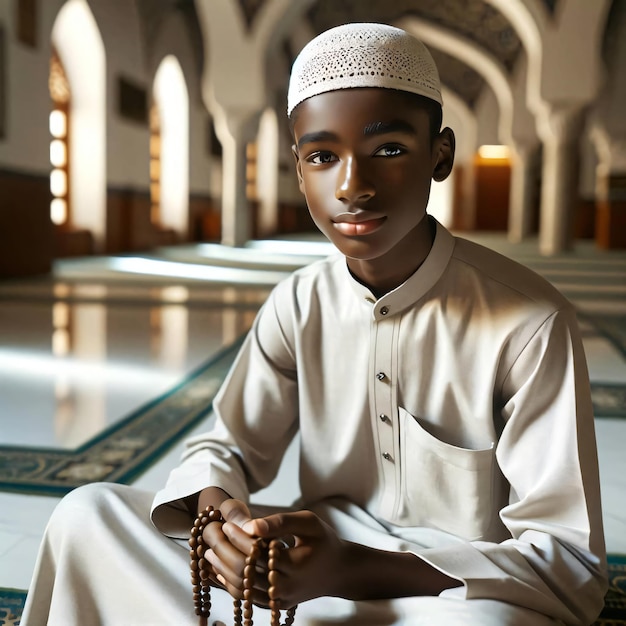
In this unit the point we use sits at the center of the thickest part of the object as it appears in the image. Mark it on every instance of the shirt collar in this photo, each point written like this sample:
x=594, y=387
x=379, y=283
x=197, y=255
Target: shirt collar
x=414, y=287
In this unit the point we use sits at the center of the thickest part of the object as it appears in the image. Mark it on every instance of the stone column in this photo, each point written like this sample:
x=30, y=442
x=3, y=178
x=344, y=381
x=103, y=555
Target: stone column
x=235, y=129
x=520, y=202
x=560, y=131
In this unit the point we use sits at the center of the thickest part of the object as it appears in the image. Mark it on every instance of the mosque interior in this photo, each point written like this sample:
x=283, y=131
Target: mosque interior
x=148, y=204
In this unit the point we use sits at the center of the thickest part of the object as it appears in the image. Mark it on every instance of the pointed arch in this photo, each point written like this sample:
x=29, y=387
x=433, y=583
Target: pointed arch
x=77, y=40
x=171, y=99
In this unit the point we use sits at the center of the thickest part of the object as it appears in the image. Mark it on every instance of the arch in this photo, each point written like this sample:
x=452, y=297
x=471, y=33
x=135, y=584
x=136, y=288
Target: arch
x=77, y=39
x=172, y=101
x=267, y=173
x=492, y=71
x=530, y=20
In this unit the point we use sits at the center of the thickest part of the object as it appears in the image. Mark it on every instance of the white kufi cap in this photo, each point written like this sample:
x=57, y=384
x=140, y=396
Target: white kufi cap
x=363, y=55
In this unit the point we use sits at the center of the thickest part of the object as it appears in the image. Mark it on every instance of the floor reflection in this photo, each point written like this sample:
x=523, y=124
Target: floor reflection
x=78, y=358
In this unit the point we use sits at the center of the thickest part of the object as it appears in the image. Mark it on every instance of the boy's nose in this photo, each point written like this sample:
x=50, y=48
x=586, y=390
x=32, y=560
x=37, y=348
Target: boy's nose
x=353, y=185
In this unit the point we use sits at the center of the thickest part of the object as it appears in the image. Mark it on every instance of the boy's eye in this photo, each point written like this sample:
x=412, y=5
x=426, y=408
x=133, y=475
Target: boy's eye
x=389, y=151
x=321, y=158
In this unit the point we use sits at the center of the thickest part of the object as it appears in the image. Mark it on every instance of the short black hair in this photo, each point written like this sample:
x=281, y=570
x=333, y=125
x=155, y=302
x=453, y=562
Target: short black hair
x=433, y=109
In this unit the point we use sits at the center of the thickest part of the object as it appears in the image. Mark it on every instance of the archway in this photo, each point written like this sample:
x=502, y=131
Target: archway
x=171, y=175
x=78, y=43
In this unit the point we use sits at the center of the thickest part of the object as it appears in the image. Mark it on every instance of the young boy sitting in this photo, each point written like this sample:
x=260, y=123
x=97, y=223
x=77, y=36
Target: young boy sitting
x=448, y=468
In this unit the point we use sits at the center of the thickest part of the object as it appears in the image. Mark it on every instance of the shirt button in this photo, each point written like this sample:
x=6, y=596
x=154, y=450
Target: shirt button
x=386, y=456
x=381, y=376
x=383, y=417
x=384, y=310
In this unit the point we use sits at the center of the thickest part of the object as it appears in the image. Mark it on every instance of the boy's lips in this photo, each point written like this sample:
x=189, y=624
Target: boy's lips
x=358, y=223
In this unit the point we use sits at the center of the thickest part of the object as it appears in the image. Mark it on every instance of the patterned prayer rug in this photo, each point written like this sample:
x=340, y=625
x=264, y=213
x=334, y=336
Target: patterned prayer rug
x=125, y=450
x=11, y=606
x=613, y=614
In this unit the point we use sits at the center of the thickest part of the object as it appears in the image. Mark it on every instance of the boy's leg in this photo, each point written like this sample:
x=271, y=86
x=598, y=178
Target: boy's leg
x=103, y=563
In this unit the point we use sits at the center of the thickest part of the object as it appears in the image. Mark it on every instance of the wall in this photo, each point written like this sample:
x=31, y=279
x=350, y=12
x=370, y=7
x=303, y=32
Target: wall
x=24, y=147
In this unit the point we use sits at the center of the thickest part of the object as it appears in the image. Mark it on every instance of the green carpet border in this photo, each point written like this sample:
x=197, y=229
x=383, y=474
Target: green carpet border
x=11, y=606
x=124, y=450
x=609, y=399
x=613, y=614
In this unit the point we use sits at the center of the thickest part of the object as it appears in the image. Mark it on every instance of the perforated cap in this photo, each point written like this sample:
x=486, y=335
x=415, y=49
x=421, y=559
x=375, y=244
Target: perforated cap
x=363, y=55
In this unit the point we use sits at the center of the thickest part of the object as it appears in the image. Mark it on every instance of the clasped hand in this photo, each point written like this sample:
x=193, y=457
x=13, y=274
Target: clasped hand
x=310, y=565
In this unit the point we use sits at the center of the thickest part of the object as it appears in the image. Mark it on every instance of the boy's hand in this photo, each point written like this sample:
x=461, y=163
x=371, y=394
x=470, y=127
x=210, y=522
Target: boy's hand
x=229, y=547
x=314, y=562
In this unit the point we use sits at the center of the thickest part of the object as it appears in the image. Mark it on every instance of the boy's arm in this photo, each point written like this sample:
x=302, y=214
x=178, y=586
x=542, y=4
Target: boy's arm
x=259, y=402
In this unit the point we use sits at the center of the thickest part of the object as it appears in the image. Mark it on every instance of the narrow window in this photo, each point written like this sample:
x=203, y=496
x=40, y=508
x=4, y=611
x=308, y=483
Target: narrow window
x=59, y=142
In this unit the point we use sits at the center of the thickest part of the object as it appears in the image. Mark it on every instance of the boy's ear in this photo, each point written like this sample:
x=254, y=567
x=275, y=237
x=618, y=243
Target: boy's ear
x=443, y=154
x=296, y=156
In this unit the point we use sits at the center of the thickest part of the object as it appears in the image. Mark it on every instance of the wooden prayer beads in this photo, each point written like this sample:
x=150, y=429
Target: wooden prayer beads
x=201, y=569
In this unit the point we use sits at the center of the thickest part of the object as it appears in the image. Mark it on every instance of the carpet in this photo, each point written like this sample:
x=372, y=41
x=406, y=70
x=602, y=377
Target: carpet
x=613, y=614
x=126, y=449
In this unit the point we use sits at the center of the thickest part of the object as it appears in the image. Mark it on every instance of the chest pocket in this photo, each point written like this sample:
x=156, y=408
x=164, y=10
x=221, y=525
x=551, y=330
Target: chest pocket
x=444, y=486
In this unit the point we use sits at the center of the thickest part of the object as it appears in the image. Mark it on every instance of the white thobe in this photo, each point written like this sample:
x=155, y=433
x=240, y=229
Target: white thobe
x=454, y=412
x=450, y=418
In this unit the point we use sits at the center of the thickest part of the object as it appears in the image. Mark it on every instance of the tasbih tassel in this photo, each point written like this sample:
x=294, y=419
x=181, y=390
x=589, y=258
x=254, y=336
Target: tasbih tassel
x=201, y=569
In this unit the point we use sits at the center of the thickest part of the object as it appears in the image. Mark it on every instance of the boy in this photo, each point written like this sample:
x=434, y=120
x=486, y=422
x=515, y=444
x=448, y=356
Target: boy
x=447, y=457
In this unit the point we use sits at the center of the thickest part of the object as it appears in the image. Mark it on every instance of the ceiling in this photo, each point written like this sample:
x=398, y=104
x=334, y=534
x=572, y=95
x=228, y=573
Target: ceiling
x=475, y=20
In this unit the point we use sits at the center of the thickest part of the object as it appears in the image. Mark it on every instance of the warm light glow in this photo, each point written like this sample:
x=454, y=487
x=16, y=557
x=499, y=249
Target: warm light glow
x=60, y=342
x=494, y=152
x=175, y=293
x=62, y=388
x=58, y=211
x=58, y=183
x=155, y=169
x=58, y=153
x=155, y=146
x=76, y=37
x=58, y=124
x=61, y=290
x=172, y=100
x=60, y=315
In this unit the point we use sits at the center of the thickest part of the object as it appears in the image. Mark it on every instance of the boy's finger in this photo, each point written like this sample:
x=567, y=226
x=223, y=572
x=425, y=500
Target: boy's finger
x=298, y=524
x=238, y=537
x=225, y=557
x=235, y=511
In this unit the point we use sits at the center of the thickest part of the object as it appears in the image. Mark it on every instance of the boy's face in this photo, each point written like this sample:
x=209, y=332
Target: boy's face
x=365, y=161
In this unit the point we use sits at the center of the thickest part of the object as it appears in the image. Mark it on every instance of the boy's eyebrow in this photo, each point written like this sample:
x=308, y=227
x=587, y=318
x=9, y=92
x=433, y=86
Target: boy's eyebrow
x=322, y=135
x=374, y=128
x=394, y=126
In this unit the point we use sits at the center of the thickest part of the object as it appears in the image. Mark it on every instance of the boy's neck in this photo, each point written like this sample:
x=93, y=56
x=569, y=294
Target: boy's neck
x=383, y=275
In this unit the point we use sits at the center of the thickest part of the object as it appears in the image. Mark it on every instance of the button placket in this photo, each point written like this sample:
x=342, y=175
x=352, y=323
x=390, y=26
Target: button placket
x=385, y=427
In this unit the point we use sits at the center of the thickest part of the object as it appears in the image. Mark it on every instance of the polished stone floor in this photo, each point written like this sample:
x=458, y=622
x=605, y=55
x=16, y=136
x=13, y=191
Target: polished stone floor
x=84, y=348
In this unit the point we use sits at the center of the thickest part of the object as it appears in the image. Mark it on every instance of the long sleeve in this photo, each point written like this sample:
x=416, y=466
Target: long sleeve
x=256, y=414
x=555, y=561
